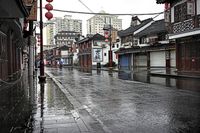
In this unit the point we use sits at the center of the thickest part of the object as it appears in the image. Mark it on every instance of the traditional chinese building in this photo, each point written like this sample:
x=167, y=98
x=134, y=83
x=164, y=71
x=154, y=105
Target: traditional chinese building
x=149, y=48
x=92, y=50
x=12, y=41
x=183, y=20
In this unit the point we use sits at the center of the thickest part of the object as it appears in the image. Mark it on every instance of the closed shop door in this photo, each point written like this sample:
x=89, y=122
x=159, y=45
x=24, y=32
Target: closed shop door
x=124, y=62
x=173, y=58
x=140, y=61
x=157, y=59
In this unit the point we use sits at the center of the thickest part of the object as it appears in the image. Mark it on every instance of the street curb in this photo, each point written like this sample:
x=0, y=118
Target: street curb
x=81, y=124
x=84, y=127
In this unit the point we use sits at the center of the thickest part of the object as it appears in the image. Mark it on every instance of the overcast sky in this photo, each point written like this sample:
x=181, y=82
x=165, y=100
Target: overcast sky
x=109, y=6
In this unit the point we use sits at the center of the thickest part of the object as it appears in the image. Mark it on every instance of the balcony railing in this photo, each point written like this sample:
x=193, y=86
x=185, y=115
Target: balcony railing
x=183, y=26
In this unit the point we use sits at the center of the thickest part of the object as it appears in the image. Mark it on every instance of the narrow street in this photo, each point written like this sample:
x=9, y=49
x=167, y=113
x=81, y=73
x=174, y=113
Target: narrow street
x=117, y=105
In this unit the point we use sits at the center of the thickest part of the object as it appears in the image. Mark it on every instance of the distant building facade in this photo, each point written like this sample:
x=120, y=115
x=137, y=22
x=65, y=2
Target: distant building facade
x=65, y=38
x=92, y=50
x=97, y=23
x=62, y=24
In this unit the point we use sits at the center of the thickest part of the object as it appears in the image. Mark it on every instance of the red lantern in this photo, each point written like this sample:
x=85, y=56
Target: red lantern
x=49, y=0
x=49, y=7
x=106, y=40
x=48, y=15
x=106, y=35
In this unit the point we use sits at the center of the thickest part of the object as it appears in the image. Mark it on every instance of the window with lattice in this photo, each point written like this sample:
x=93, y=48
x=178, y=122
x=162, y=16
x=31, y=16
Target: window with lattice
x=180, y=12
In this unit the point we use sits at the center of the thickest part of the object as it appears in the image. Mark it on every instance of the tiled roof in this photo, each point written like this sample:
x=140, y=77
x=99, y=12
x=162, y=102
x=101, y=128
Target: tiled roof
x=63, y=31
x=64, y=47
x=13, y=9
x=132, y=29
x=165, y=1
x=93, y=37
x=146, y=48
x=156, y=27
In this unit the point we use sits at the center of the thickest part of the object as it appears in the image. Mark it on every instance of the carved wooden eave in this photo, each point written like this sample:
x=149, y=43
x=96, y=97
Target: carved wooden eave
x=166, y=1
x=13, y=9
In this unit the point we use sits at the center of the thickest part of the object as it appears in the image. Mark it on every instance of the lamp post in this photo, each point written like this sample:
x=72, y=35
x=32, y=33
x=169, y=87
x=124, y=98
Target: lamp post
x=42, y=77
x=48, y=15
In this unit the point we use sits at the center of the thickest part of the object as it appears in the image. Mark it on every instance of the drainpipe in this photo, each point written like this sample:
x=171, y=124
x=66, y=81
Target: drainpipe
x=31, y=49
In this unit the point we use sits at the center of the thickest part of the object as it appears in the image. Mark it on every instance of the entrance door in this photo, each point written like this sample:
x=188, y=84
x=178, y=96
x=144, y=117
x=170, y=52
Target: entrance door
x=124, y=62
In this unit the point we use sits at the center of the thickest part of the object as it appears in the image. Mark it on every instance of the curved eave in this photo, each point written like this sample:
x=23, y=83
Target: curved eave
x=23, y=8
x=13, y=9
x=165, y=1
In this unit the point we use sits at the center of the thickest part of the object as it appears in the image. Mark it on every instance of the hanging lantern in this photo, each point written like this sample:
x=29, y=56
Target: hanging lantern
x=106, y=36
x=48, y=15
x=49, y=0
x=106, y=40
x=49, y=7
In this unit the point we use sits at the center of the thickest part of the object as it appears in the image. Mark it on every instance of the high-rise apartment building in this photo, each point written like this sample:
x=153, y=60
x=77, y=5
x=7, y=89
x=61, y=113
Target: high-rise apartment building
x=97, y=23
x=62, y=24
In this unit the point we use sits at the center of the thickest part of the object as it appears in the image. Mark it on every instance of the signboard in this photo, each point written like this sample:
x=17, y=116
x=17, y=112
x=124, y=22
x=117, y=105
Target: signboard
x=33, y=12
x=190, y=8
x=97, y=55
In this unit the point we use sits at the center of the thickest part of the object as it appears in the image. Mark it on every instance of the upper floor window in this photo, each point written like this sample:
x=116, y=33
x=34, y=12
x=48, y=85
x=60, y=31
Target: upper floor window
x=183, y=11
x=143, y=40
x=161, y=37
x=117, y=45
x=113, y=46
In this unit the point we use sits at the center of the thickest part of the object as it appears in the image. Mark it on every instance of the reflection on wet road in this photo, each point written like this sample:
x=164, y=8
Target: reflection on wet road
x=53, y=110
x=178, y=83
x=130, y=106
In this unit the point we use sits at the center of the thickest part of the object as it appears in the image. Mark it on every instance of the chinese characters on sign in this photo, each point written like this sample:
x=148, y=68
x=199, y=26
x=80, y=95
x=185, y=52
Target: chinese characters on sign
x=97, y=55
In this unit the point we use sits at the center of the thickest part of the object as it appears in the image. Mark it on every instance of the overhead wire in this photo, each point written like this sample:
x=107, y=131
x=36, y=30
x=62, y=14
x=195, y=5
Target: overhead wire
x=85, y=6
x=116, y=14
x=91, y=11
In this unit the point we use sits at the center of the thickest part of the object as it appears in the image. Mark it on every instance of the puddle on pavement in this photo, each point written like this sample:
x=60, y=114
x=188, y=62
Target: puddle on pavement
x=180, y=83
x=51, y=105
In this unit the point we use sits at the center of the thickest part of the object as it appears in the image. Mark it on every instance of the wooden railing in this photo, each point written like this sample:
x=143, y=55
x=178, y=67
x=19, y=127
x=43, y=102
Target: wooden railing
x=183, y=26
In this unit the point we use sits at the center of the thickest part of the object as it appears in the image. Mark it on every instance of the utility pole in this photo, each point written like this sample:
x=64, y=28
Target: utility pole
x=108, y=37
x=42, y=78
x=110, y=52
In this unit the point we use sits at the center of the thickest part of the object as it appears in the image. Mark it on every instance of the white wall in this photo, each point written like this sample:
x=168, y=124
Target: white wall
x=104, y=50
x=172, y=14
x=198, y=7
x=64, y=52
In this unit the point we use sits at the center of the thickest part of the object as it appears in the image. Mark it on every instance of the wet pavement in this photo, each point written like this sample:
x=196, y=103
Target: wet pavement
x=94, y=101
x=54, y=113
x=106, y=103
x=159, y=76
